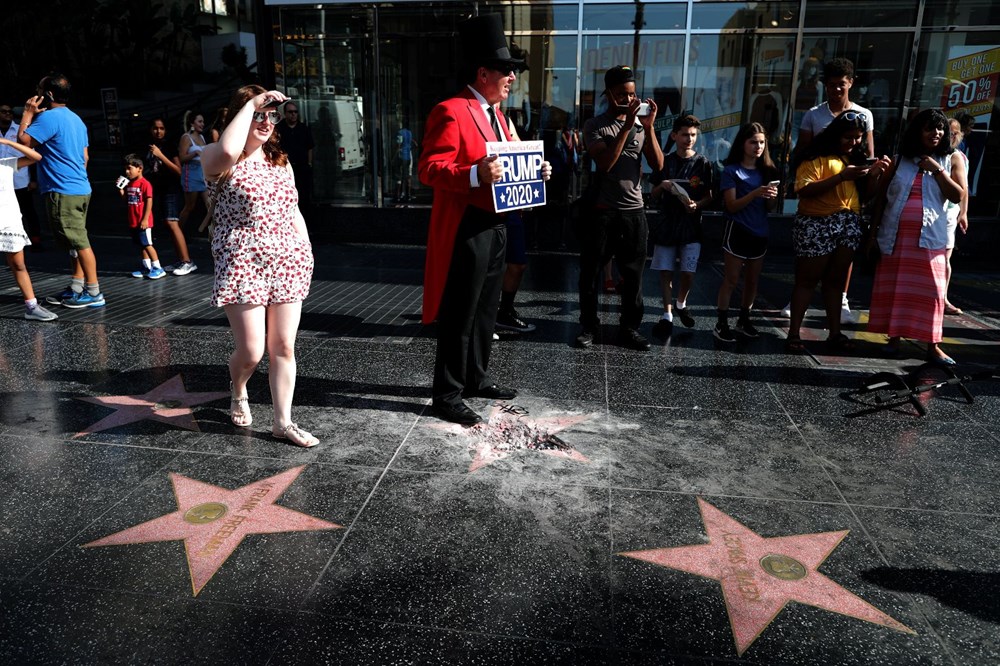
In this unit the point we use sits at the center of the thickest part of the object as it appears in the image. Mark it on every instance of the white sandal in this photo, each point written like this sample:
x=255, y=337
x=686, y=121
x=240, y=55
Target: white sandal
x=239, y=409
x=296, y=435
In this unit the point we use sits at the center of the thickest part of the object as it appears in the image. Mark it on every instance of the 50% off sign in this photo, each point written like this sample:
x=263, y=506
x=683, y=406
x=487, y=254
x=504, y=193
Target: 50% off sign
x=521, y=185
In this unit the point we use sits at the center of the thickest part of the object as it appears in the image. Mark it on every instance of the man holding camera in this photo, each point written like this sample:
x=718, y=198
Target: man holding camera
x=60, y=136
x=616, y=226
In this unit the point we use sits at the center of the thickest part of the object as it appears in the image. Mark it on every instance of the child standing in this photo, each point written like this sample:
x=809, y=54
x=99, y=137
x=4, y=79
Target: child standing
x=686, y=189
x=747, y=184
x=12, y=236
x=138, y=194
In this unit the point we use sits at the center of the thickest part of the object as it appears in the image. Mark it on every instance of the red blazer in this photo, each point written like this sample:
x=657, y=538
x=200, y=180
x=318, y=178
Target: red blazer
x=454, y=139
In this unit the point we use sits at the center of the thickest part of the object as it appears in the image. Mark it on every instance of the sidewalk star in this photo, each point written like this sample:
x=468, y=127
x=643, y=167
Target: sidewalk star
x=169, y=402
x=213, y=521
x=759, y=575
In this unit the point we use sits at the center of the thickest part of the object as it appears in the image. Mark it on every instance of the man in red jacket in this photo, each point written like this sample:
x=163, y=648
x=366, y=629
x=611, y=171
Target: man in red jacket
x=467, y=239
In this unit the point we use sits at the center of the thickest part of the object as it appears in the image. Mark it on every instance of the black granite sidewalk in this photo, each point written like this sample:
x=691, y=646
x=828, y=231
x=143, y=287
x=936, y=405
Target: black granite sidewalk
x=692, y=504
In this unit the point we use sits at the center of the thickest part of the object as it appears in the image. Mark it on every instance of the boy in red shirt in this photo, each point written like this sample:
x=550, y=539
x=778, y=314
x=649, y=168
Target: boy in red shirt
x=138, y=195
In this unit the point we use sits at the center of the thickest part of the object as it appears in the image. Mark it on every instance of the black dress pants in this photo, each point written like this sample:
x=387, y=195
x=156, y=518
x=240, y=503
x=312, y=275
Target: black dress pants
x=468, y=312
x=622, y=234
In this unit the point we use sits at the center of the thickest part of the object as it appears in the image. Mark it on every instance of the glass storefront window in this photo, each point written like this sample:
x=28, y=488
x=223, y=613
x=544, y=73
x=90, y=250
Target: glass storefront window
x=881, y=14
x=879, y=77
x=538, y=16
x=635, y=16
x=367, y=74
x=327, y=72
x=962, y=13
x=959, y=72
x=730, y=15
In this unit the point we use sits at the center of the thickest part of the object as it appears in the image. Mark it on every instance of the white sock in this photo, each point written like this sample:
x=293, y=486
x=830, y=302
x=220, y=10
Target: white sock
x=31, y=304
x=146, y=264
x=668, y=316
x=156, y=264
x=682, y=305
x=843, y=299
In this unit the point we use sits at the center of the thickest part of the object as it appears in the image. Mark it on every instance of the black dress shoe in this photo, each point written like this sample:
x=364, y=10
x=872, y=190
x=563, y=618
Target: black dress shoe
x=493, y=392
x=456, y=413
x=632, y=339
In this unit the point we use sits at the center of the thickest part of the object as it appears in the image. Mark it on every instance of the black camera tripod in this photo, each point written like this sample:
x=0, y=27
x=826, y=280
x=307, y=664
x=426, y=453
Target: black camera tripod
x=891, y=389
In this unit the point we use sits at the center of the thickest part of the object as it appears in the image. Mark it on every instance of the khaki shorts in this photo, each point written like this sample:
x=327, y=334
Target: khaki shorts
x=68, y=218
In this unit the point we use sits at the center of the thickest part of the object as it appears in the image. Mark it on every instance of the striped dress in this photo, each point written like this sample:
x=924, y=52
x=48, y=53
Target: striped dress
x=908, y=296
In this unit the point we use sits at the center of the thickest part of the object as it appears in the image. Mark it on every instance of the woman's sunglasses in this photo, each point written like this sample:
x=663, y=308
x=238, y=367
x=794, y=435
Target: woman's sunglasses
x=852, y=116
x=273, y=116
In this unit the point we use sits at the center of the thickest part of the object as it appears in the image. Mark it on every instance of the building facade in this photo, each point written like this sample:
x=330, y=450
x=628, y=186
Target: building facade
x=367, y=74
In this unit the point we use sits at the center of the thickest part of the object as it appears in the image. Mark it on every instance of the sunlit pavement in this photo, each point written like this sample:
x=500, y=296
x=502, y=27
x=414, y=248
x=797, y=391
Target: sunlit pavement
x=696, y=503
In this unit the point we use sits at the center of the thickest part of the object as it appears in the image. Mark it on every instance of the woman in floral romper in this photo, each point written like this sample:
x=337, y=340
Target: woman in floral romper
x=263, y=258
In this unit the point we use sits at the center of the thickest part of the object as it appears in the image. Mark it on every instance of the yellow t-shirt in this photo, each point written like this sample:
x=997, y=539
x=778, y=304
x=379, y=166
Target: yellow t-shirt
x=842, y=197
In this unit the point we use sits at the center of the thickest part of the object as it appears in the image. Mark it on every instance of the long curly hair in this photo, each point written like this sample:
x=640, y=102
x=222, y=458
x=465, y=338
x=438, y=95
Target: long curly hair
x=912, y=145
x=272, y=147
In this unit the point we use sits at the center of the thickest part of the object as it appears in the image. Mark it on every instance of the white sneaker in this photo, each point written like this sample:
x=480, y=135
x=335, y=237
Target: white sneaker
x=786, y=312
x=846, y=316
x=38, y=313
x=496, y=337
x=184, y=268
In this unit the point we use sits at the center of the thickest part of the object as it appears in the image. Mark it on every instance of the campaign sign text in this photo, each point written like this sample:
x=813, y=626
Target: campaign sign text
x=522, y=185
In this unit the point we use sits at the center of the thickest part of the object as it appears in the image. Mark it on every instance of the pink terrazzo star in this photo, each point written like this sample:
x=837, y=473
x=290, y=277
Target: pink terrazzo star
x=213, y=521
x=759, y=576
x=169, y=402
x=509, y=430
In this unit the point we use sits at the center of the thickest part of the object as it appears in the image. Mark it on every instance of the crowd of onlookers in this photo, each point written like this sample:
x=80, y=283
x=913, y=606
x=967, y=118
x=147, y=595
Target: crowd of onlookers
x=906, y=207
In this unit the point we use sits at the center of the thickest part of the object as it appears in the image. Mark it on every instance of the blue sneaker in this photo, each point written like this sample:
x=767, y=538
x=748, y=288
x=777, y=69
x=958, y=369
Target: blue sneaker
x=139, y=273
x=156, y=273
x=84, y=300
x=57, y=299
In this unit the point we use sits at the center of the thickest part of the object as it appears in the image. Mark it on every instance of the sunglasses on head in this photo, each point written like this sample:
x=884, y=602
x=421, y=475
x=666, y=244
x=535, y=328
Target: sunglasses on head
x=852, y=116
x=273, y=116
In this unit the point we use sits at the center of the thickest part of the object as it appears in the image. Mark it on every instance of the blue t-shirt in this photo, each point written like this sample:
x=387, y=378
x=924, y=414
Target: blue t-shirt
x=404, y=138
x=62, y=138
x=744, y=180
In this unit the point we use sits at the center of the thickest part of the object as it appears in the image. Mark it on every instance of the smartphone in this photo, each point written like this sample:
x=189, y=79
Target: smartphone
x=870, y=161
x=643, y=109
x=273, y=104
x=774, y=184
x=46, y=101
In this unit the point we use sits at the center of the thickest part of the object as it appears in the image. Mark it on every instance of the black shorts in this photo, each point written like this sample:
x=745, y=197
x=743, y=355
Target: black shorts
x=739, y=242
x=517, y=246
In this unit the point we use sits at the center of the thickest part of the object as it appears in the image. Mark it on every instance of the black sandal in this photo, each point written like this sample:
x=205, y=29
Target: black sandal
x=794, y=345
x=840, y=342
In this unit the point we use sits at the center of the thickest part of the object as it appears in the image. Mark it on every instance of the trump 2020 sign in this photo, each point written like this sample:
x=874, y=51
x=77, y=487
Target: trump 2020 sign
x=522, y=185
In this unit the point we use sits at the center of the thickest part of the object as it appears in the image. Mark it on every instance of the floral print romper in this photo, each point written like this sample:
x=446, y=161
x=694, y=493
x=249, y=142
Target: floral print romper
x=259, y=256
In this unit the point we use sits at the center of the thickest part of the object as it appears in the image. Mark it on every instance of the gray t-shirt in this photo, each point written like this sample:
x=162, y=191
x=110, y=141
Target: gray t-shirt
x=818, y=117
x=620, y=186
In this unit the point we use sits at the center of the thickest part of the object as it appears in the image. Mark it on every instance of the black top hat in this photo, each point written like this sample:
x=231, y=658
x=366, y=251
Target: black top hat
x=484, y=44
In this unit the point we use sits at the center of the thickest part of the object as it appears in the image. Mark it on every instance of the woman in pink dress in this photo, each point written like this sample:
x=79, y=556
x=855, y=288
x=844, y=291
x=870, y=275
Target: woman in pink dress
x=263, y=258
x=908, y=298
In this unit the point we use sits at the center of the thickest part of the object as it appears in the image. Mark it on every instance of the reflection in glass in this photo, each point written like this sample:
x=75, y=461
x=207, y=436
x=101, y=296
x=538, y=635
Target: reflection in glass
x=881, y=14
x=638, y=16
x=732, y=15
